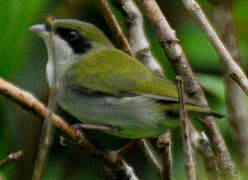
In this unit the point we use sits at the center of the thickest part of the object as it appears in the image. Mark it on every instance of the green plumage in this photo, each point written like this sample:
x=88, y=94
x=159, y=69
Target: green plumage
x=111, y=71
x=101, y=85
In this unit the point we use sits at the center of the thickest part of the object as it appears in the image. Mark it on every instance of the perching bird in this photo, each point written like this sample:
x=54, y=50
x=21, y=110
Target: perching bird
x=101, y=85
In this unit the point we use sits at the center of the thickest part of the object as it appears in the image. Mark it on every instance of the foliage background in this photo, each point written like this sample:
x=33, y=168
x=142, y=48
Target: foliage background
x=23, y=59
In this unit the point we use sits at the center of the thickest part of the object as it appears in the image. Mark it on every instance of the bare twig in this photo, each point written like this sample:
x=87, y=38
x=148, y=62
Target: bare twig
x=236, y=102
x=185, y=131
x=115, y=27
x=173, y=49
x=137, y=38
x=139, y=42
x=234, y=71
x=164, y=143
x=151, y=154
x=202, y=145
x=12, y=157
x=117, y=166
x=47, y=128
x=117, y=32
x=141, y=48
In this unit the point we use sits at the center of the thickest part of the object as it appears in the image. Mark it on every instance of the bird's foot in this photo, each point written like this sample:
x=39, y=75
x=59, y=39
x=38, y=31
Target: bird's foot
x=81, y=127
x=126, y=147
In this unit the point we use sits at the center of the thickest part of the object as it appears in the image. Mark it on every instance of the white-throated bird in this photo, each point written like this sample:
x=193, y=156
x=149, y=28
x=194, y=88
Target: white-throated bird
x=101, y=85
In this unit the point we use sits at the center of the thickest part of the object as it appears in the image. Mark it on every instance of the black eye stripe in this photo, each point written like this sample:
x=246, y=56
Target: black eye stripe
x=68, y=34
x=78, y=43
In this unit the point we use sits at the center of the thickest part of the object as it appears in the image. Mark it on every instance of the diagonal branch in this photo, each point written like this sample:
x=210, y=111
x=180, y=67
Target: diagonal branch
x=47, y=128
x=118, y=166
x=137, y=37
x=185, y=131
x=144, y=53
x=172, y=47
x=164, y=143
x=12, y=157
x=139, y=42
x=234, y=71
x=235, y=97
x=114, y=26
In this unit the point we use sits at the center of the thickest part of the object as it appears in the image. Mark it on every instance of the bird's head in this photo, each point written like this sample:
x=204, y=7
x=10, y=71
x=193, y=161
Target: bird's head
x=71, y=38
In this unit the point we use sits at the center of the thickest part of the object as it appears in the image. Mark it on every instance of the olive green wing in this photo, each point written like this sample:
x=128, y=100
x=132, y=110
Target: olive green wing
x=115, y=73
x=112, y=71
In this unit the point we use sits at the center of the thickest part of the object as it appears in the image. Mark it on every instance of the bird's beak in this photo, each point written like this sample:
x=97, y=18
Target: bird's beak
x=39, y=29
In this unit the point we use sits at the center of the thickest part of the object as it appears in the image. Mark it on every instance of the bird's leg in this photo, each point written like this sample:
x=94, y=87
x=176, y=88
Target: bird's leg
x=126, y=147
x=92, y=127
x=81, y=127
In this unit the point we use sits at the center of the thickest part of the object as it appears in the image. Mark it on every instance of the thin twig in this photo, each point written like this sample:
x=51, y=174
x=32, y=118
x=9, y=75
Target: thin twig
x=137, y=37
x=151, y=154
x=164, y=143
x=235, y=97
x=202, y=145
x=234, y=71
x=115, y=27
x=173, y=49
x=47, y=128
x=117, y=166
x=12, y=157
x=185, y=131
x=117, y=32
x=141, y=48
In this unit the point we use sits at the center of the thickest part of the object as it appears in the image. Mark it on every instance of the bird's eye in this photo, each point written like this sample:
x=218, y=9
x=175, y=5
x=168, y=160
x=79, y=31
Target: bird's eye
x=72, y=35
x=68, y=34
x=74, y=39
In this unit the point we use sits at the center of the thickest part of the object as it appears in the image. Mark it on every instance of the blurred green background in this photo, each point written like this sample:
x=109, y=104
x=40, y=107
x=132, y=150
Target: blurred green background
x=22, y=62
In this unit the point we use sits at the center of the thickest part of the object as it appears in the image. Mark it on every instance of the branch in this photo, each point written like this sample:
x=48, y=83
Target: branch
x=141, y=48
x=12, y=157
x=139, y=42
x=235, y=97
x=234, y=71
x=164, y=143
x=151, y=154
x=114, y=26
x=185, y=131
x=202, y=145
x=117, y=165
x=117, y=32
x=172, y=47
x=137, y=38
x=47, y=128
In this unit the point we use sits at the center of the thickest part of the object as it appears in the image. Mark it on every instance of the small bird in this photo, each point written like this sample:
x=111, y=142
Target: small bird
x=101, y=85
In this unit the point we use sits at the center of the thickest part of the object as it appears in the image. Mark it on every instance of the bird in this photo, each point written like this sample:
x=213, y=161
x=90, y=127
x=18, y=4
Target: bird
x=103, y=86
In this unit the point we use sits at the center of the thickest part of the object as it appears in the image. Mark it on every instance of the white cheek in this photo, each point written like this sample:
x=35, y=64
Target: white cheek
x=63, y=52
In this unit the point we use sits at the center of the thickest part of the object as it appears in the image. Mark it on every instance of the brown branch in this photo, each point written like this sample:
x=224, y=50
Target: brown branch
x=234, y=71
x=185, y=131
x=164, y=143
x=139, y=42
x=12, y=157
x=141, y=48
x=202, y=145
x=115, y=27
x=137, y=37
x=118, y=166
x=172, y=47
x=47, y=128
x=235, y=97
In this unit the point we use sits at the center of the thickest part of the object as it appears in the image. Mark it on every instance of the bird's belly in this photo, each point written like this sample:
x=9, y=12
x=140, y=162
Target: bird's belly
x=133, y=117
